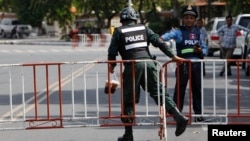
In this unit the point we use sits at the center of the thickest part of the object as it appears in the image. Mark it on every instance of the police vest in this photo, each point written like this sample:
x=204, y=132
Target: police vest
x=190, y=39
x=133, y=43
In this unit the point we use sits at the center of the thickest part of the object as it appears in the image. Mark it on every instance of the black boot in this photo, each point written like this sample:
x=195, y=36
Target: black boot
x=128, y=136
x=181, y=121
x=221, y=73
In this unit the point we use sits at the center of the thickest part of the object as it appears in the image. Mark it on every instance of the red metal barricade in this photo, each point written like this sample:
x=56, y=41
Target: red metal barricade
x=71, y=94
x=49, y=104
x=219, y=106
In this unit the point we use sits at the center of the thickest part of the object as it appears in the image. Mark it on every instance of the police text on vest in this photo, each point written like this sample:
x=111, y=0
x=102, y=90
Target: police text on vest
x=134, y=38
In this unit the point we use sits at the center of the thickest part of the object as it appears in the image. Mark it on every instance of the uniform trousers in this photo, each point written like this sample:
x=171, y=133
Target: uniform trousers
x=182, y=78
x=153, y=86
x=227, y=53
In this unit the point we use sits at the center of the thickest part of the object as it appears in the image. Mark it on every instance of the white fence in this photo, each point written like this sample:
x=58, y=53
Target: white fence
x=92, y=40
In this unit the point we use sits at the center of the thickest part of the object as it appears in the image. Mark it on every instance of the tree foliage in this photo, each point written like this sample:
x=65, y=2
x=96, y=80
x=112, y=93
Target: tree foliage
x=103, y=10
x=36, y=11
x=235, y=7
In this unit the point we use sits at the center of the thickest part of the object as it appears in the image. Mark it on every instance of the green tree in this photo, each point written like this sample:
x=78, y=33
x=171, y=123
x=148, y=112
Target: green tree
x=107, y=10
x=5, y=5
x=35, y=11
x=235, y=7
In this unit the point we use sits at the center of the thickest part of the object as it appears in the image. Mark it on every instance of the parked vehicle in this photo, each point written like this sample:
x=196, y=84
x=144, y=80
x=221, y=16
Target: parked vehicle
x=51, y=29
x=242, y=20
x=247, y=52
x=213, y=39
x=11, y=27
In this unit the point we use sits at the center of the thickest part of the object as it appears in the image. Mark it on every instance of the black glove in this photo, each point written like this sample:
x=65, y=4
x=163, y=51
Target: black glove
x=197, y=49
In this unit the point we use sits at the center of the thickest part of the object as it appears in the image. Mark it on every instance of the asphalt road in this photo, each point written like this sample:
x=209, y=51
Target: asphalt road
x=193, y=133
x=141, y=133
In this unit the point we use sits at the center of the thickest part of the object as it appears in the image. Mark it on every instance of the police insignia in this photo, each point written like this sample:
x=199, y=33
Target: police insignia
x=192, y=36
x=189, y=7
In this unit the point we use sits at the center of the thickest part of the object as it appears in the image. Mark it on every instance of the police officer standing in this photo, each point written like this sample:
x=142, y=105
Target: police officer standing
x=131, y=41
x=189, y=46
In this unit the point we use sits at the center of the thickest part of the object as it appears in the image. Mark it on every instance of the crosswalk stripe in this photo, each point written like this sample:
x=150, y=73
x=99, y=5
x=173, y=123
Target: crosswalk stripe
x=42, y=50
x=18, y=50
x=30, y=51
x=4, y=51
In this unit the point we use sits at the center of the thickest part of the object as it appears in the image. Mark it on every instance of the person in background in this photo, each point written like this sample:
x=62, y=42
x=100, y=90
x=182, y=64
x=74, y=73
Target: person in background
x=74, y=37
x=14, y=32
x=111, y=29
x=227, y=35
x=123, y=42
x=188, y=46
x=203, y=37
x=203, y=32
x=73, y=33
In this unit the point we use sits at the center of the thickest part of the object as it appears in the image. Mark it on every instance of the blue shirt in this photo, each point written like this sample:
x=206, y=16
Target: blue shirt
x=228, y=35
x=176, y=34
x=203, y=34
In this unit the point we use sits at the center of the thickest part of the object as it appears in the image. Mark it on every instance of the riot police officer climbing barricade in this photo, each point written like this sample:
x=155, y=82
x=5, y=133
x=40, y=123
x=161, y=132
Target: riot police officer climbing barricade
x=131, y=41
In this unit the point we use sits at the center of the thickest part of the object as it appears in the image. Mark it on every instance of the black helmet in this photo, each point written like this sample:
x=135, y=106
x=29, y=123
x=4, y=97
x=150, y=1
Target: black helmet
x=128, y=13
x=189, y=10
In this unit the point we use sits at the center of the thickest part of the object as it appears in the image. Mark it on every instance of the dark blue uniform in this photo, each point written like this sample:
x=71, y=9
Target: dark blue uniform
x=186, y=40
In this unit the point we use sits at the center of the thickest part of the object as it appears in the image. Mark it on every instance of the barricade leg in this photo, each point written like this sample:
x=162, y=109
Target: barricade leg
x=48, y=121
x=89, y=40
x=162, y=128
x=75, y=41
x=103, y=40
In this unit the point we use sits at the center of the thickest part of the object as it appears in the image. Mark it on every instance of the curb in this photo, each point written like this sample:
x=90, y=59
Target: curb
x=35, y=41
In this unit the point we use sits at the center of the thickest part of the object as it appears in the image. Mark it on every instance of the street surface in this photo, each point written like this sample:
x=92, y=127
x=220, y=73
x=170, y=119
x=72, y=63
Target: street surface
x=49, y=50
x=193, y=133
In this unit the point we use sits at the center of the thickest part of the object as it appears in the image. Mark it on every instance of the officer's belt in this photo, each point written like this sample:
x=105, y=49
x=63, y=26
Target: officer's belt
x=130, y=63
